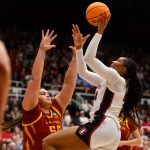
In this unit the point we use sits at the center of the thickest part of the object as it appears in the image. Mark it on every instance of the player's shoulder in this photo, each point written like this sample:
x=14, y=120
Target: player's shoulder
x=56, y=107
x=32, y=115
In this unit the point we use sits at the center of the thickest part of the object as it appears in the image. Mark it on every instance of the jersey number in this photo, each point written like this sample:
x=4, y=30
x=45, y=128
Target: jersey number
x=54, y=128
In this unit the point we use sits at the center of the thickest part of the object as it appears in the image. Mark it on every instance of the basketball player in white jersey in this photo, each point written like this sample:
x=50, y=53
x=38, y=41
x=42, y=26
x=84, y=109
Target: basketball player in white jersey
x=102, y=132
x=5, y=73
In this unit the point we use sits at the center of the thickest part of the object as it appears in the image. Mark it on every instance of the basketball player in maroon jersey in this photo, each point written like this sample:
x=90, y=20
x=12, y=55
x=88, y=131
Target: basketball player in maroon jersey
x=5, y=74
x=128, y=128
x=42, y=115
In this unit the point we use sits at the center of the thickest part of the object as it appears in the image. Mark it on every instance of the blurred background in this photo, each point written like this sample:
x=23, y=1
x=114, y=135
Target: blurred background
x=21, y=23
x=129, y=18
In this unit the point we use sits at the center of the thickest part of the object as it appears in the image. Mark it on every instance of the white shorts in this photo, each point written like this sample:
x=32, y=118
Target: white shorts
x=100, y=134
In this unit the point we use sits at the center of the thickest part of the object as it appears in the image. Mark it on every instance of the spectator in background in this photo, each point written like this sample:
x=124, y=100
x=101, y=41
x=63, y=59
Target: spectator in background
x=146, y=121
x=18, y=138
x=7, y=116
x=67, y=121
x=7, y=136
x=75, y=119
x=145, y=140
x=3, y=146
x=12, y=146
x=15, y=113
x=82, y=118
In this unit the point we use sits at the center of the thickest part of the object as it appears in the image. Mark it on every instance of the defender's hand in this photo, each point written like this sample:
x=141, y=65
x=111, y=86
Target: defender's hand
x=78, y=38
x=47, y=40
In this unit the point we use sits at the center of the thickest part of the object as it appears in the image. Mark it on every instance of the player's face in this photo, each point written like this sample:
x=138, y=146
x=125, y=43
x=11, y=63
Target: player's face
x=43, y=95
x=118, y=65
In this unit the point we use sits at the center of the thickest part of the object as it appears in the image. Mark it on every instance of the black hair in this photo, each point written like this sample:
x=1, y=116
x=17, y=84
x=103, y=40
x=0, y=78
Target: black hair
x=134, y=91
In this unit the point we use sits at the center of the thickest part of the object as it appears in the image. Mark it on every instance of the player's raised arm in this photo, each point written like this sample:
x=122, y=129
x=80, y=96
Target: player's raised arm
x=64, y=96
x=32, y=92
x=79, y=41
x=90, y=56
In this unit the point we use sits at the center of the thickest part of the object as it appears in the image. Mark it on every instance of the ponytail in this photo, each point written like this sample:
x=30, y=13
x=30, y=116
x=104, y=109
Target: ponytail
x=10, y=124
x=133, y=94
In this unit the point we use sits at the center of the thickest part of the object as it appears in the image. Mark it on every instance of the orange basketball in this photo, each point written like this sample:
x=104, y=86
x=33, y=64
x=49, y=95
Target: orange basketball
x=94, y=11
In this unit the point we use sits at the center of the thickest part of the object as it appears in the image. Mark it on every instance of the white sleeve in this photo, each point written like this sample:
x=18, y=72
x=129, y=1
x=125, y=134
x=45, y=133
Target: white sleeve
x=93, y=46
x=89, y=76
x=109, y=74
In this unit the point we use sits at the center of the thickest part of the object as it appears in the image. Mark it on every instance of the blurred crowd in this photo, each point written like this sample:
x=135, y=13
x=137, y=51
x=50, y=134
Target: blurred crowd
x=22, y=46
x=12, y=139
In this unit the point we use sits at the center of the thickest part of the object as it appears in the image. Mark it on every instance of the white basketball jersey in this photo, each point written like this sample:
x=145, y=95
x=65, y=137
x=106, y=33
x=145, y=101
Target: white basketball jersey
x=106, y=101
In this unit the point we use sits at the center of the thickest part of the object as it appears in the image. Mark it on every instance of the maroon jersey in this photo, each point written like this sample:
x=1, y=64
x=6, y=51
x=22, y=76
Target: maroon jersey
x=37, y=125
x=127, y=127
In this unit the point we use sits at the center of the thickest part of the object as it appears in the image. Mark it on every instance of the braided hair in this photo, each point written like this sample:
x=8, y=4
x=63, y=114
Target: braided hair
x=134, y=91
